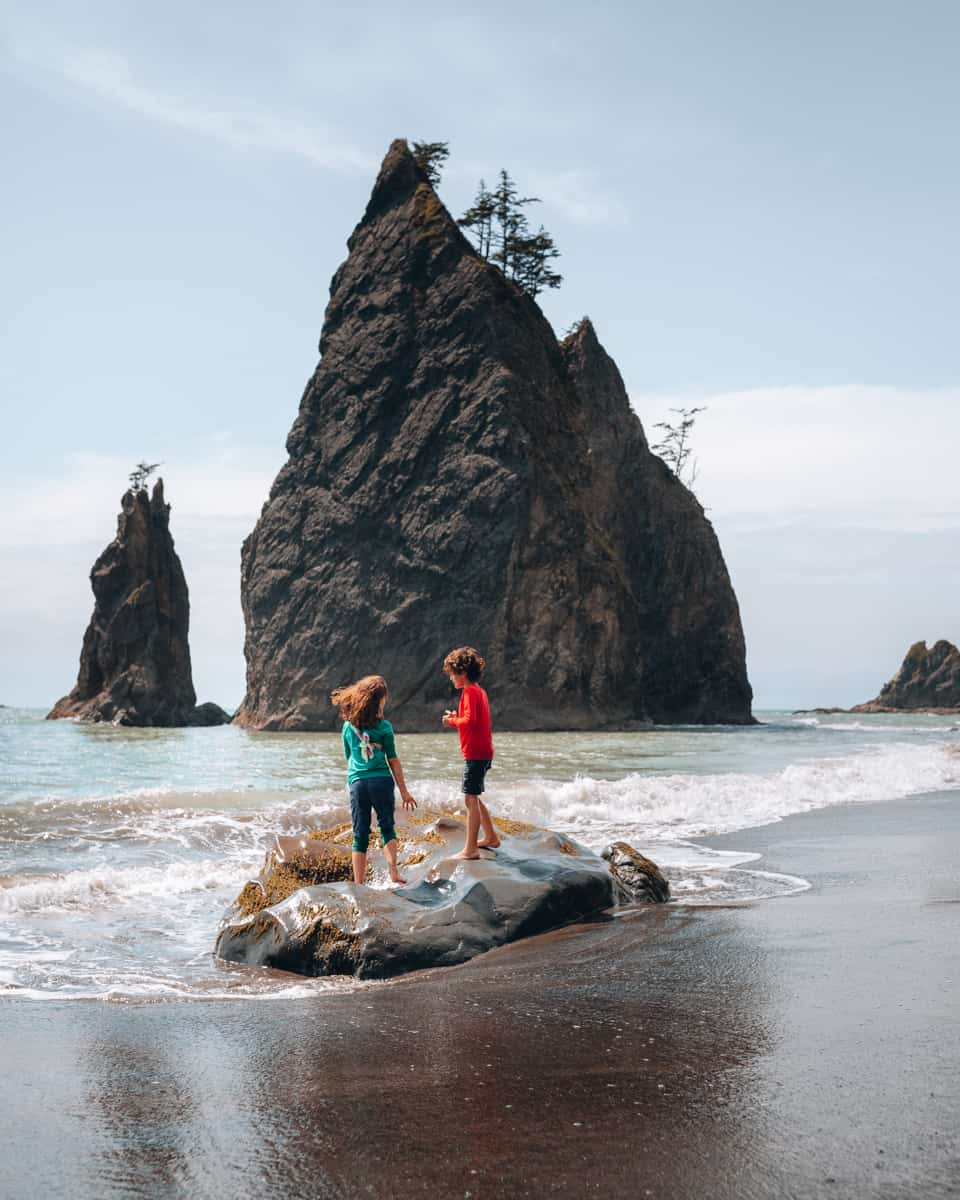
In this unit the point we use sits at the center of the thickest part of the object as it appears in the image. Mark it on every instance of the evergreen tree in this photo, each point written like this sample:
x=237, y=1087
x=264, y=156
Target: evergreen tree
x=499, y=227
x=479, y=219
x=430, y=157
x=675, y=448
x=508, y=206
x=530, y=256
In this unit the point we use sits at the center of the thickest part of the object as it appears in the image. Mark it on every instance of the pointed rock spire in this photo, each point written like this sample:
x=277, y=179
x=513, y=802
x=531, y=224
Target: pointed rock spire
x=457, y=476
x=135, y=660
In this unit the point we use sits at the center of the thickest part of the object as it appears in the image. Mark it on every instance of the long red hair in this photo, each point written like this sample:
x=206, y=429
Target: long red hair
x=362, y=702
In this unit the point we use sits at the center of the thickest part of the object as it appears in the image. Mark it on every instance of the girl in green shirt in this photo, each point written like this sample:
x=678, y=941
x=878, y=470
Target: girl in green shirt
x=372, y=766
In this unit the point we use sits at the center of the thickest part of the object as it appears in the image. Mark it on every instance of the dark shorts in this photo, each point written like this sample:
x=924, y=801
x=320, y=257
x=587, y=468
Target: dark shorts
x=371, y=795
x=474, y=772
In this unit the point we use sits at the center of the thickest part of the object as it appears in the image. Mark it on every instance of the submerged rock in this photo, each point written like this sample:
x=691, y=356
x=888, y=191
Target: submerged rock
x=456, y=475
x=301, y=915
x=135, y=659
x=929, y=679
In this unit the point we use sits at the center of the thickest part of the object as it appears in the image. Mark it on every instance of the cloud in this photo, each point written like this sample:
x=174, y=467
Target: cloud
x=221, y=484
x=578, y=199
x=853, y=455
x=52, y=528
x=109, y=76
x=571, y=193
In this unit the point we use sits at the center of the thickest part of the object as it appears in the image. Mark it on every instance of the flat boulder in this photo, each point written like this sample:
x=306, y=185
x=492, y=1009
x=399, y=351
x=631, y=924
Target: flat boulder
x=303, y=914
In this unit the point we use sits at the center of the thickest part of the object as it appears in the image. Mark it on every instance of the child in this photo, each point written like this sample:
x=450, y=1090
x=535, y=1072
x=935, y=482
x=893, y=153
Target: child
x=372, y=766
x=472, y=721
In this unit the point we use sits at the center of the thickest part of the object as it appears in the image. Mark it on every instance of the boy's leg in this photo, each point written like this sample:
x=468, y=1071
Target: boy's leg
x=490, y=839
x=360, y=818
x=471, y=850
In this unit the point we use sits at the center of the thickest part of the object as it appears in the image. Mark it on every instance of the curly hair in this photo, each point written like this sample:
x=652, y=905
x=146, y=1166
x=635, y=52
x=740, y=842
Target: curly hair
x=464, y=661
x=360, y=702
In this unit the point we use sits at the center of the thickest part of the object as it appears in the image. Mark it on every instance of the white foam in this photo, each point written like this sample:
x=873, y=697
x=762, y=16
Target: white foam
x=92, y=888
x=159, y=990
x=671, y=806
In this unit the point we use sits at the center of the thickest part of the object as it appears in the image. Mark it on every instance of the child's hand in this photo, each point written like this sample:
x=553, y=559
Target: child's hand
x=408, y=800
x=447, y=715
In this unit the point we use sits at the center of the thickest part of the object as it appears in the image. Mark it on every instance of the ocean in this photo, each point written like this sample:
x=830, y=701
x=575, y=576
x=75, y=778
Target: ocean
x=120, y=849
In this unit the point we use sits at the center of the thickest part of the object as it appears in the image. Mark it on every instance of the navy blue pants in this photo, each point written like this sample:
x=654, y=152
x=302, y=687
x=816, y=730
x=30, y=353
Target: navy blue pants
x=371, y=795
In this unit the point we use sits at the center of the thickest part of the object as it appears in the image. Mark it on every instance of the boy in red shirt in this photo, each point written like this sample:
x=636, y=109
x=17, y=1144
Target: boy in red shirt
x=472, y=721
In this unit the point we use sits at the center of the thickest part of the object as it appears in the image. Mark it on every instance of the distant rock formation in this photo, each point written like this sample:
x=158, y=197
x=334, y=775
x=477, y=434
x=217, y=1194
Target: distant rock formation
x=928, y=679
x=135, y=661
x=300, y=914
x=457, y=476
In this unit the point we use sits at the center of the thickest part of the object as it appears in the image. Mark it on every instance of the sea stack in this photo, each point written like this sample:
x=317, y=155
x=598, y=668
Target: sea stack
x=135, y=660
x=457, y=476
x=928, y=679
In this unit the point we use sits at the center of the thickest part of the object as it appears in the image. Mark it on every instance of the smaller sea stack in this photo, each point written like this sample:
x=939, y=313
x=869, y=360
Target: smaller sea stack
x=135, y=660
x=929, y=679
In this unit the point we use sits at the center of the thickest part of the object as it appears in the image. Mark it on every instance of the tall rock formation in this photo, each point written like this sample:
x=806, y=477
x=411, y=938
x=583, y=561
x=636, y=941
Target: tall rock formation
x=927, y=679
x=457, y=476
x=135, y=660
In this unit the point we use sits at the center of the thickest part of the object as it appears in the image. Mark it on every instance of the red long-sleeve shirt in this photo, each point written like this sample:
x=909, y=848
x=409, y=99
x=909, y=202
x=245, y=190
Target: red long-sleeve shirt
x=473, y=723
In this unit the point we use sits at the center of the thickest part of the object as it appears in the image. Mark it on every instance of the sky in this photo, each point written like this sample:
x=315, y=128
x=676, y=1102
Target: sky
x=755, y=203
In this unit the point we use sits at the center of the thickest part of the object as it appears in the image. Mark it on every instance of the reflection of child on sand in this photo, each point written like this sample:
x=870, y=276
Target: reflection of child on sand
x=372, y=766
x=472, y=722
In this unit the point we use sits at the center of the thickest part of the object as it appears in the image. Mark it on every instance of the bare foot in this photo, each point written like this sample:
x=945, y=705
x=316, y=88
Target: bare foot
x=488, y=845
x=397, y=879
x=464, y=855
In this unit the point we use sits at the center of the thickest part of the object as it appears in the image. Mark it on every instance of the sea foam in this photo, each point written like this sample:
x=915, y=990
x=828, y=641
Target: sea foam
x=668, y=806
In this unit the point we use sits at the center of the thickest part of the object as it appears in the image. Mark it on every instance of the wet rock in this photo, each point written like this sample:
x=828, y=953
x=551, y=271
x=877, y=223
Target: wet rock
x=456, y=475
x=637, y=878
x=449, y=910
x=209, y=713
x=928, y=680
x=135, y=659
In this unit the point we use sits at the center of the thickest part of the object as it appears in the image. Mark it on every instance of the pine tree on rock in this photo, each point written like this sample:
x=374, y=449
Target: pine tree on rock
x=501, y=233
x=430, y=158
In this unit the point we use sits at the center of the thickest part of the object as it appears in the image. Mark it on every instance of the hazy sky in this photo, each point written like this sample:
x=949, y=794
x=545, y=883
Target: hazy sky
x=756, y=204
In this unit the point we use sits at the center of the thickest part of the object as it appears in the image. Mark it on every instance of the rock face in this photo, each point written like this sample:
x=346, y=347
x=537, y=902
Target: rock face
x=298, y=917
x=456, y=475
x=928, y=679
x=135, y=660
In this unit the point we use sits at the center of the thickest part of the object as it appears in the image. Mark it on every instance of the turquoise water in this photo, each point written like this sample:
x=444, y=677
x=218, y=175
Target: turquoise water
x=119, y=849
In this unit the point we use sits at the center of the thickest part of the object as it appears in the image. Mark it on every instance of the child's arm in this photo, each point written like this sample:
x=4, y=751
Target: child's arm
x=346, y=744
x=451, y=718
x=395, y=767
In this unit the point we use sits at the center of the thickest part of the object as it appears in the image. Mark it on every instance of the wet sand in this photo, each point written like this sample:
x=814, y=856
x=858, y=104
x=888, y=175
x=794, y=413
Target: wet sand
x=800, y=1047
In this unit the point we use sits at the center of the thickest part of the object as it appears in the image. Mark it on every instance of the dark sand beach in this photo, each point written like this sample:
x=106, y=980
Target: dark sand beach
x=800, y=1047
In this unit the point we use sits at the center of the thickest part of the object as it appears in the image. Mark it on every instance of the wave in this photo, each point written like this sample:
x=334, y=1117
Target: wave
x=99, y=885
x=671, y=806
x=145, y=990
x=894, y=727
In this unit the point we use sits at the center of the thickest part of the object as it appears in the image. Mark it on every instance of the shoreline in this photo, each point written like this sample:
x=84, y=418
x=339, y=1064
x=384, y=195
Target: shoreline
x=800, y=1046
